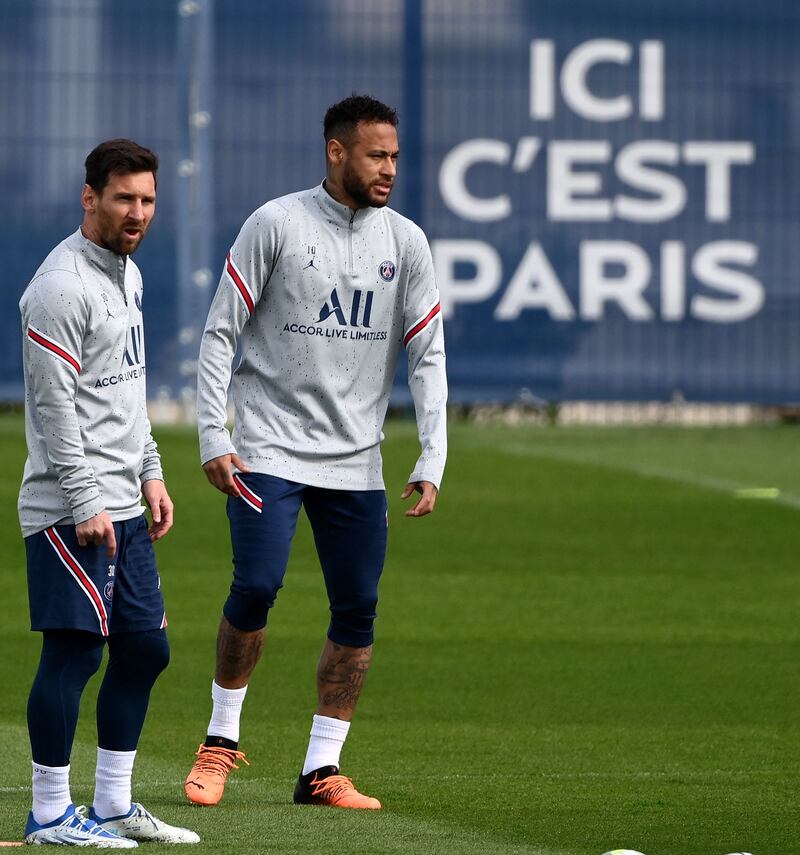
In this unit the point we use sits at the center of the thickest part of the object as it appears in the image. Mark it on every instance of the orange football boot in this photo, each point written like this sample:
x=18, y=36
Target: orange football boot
x=326, y=786
x=205, y=784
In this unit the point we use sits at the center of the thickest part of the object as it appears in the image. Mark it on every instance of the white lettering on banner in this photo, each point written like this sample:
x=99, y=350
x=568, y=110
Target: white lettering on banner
x=673, y=280
x=453, y=185
x=564, y=183
x=542, y=64
x=452, y=176
x=616, y=273
x=599, y=287
x=652, y=183
x=573, y=80
x=575, y=71
x=718, y=157
x=473, y=253
x=708, y=266
x=669, y=190
x=534, y=285
x=575, y=194
x=651, y=81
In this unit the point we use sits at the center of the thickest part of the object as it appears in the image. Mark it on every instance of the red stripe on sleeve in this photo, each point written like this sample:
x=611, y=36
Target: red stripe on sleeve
x=420, y=325
x=54, y=348
x=238, y=282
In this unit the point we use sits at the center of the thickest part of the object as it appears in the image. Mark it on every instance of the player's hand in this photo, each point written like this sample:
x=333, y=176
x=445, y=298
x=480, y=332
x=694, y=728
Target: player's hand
x=428, y=501
x=219, y=472
x=158, y=500
x=96, y=530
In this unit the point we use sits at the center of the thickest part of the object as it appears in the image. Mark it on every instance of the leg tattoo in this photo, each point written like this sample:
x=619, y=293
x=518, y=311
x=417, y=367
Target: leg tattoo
x=340, y=679
x=238, y=653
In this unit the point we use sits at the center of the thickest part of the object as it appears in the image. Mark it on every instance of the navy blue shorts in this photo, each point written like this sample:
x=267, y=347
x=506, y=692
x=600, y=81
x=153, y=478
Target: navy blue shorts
x=350, y=533
x=78, y=587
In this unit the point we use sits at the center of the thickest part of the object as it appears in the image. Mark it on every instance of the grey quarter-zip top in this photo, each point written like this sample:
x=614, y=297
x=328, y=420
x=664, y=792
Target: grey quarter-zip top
x=320, y=300
x=90, y=446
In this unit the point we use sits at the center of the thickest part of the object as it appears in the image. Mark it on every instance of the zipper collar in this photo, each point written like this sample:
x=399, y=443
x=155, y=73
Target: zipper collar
x=111, y=263
x=342, y=214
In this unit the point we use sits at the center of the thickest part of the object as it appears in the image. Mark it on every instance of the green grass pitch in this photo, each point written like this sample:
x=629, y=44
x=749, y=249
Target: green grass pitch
x=592, y=644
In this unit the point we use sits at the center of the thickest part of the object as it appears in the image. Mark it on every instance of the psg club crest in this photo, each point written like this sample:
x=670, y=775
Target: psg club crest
x=138, y=300
x=386, y=271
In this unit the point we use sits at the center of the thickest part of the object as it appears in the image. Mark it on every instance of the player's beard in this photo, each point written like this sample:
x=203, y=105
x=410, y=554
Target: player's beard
x=114, y=238
x=359, y=191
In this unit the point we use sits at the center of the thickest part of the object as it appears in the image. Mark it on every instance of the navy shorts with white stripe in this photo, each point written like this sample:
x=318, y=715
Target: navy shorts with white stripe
x=79, y=587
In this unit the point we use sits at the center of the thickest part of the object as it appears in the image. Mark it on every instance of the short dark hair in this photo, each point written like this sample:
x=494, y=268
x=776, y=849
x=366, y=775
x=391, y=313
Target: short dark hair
x=341, y=119
x=123, y=156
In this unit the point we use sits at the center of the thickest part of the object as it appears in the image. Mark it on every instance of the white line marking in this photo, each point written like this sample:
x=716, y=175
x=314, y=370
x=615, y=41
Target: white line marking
x=678, y=476
x=684, y=775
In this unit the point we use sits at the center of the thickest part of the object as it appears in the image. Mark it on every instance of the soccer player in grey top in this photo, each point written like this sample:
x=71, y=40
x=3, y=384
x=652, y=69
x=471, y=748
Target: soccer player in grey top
x=92, y=578
x=320, y=292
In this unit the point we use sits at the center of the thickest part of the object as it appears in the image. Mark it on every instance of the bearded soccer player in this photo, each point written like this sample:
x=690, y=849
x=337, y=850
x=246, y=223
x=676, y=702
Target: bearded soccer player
x=92, y=576
x=320, y=292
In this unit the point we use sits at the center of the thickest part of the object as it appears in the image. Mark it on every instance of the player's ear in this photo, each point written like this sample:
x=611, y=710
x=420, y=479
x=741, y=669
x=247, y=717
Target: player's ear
x=335, y=151
x=88, y=199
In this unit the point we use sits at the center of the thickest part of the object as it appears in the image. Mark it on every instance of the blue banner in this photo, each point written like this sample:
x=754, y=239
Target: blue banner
x=609, y=189
x=615, y=215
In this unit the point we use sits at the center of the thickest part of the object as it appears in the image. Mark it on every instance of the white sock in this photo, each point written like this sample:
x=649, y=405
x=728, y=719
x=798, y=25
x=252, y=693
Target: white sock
x=112, y=783
x=325, y=746
x=51, y=796
x=226, y=711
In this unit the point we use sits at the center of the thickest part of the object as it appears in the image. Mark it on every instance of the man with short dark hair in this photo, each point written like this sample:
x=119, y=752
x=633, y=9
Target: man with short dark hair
x=320, y=292
x=92, y=577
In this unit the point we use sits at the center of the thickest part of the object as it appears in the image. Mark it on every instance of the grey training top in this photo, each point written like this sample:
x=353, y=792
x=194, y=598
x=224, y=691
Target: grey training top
x=90, y=446
x=320, y=299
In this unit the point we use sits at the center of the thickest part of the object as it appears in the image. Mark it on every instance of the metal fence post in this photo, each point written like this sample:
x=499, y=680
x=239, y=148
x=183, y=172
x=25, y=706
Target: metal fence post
x=195, y=197
x=413, y=108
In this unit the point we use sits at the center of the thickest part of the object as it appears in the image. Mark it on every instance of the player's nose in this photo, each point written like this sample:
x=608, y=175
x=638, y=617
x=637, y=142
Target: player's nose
x=136, y=211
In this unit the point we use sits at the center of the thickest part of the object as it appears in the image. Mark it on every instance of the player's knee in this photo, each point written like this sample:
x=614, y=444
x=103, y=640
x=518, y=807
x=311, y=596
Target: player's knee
x=139, y=653
x=353, y=625
x=156, y=649
x=247, y=608
x=89, y=663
